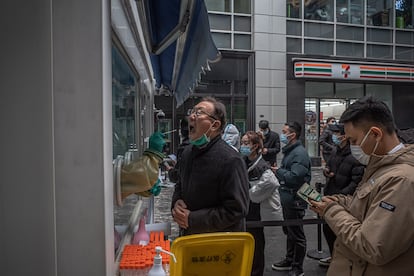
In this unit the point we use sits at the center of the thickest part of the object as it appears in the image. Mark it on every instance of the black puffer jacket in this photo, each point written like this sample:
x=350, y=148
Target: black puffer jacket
x=347, y=172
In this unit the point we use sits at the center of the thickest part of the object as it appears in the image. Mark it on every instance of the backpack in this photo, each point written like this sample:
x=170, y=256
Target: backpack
x=406, y=136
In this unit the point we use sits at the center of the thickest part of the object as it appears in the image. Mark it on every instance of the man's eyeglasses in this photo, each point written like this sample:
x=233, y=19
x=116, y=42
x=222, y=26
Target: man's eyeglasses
x=199, y=112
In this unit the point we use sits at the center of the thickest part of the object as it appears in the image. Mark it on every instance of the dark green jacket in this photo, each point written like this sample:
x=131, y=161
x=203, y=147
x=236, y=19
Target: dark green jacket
x=294, y=171
x=296, y=167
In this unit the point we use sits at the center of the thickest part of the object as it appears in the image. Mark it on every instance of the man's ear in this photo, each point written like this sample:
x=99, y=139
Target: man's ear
x=378, y=132
x=216, y=125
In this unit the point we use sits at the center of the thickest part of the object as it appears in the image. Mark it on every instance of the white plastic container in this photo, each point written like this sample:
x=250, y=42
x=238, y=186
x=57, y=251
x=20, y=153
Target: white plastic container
x=157, y=268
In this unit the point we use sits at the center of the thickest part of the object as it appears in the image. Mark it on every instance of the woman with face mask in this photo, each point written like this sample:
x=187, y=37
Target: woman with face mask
x=343, y=173
x=264, y=195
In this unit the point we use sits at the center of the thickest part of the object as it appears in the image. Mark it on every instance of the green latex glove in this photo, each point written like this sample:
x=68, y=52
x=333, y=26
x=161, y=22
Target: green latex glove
x=156, y=189
x=156, y=141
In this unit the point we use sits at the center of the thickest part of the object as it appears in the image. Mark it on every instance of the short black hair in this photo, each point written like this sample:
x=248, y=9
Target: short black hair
x=329, y=119
x=219, y=110
x=367, y=112
x=263, y=124
x=295, y=127
x=337, y=128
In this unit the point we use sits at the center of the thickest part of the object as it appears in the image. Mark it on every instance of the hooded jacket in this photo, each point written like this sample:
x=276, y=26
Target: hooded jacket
x=375, y=227
x=231, y=136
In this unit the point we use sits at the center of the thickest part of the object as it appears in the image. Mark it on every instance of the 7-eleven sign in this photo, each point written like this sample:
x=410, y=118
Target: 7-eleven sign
x=346, y=70
x=351, y=71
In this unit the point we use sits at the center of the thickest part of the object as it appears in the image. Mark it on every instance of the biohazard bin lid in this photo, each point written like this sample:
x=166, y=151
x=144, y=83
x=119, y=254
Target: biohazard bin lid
x=224, y=253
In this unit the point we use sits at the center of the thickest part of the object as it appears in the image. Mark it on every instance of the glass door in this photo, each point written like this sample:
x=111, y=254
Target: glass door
x=331, y=108
x=317, y=111
x=312, y=126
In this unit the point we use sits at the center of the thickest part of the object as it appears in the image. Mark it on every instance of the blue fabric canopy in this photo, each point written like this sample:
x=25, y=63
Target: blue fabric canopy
x=177, y=68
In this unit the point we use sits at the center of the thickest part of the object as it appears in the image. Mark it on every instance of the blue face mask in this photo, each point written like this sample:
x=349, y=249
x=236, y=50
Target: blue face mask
x=284, y=138
x=336, y=140
x=245, y=150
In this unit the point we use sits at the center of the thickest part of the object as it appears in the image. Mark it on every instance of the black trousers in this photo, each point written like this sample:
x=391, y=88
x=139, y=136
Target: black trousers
x=296, y=239
x=329, y=236
x=259, y=246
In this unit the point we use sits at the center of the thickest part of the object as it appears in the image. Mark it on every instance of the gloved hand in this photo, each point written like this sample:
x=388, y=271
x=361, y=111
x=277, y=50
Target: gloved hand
x=156, y=189
x=156, y=141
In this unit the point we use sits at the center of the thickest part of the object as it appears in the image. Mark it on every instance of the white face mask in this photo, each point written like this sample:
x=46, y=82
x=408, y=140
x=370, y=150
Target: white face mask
x=359, y=154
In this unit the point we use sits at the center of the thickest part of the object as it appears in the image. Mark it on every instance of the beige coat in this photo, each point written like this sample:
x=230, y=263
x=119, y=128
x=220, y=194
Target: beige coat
x=375, y=226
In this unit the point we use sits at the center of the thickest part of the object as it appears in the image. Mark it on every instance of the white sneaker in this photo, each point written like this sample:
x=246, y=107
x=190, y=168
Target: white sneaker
x=325, y=261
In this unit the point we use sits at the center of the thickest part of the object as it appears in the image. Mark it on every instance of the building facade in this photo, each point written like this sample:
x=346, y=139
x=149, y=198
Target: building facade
x=306, y=60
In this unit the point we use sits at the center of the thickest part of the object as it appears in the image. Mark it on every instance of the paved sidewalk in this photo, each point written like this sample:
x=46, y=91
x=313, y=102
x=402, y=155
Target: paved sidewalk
x=275, y=239
x=276, y=248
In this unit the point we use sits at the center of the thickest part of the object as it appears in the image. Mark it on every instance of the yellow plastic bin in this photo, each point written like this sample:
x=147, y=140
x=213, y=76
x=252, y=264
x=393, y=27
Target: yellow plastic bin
x=229, y=253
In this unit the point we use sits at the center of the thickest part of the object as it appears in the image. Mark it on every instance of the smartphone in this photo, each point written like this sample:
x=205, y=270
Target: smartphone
x=307, y=192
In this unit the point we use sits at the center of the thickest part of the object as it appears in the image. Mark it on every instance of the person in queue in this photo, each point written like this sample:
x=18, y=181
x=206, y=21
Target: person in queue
x=264, y=195
x=293, y=172
x=343, y=173
x=374, y=228
x=231, y=136
x=212, y=191
x=271, y=143
x=325, y=140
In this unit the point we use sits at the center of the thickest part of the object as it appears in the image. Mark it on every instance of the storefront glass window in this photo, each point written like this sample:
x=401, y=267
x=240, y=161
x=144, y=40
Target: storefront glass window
x=228, y=81
x=350, y=11
x=220, y=22
x=222, y=40
x=242, y=41
x=319, y=89
x=294, y=8
x=319, y=10
x=379, y=51
x=379, y=13
x=242, y=6
x=382, y=92
x=349, y=90
x=242, y=23
x=218, y=5
x=123, y=105
x=318, y=47
x=404, y=14
x=349, y=49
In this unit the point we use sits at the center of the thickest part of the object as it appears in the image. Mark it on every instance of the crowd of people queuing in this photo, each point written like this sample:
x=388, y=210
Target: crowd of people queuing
x=224, y=178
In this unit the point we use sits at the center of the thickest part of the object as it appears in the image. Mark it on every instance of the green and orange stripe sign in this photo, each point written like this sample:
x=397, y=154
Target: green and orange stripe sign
x=315, y=70
x=349, y=71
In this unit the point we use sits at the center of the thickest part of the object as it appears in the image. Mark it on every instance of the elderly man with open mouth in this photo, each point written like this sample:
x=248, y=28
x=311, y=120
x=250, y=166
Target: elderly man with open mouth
x=211, y=194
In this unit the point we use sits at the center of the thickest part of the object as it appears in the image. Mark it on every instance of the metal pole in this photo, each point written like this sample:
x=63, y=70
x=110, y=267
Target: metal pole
x=318, y=253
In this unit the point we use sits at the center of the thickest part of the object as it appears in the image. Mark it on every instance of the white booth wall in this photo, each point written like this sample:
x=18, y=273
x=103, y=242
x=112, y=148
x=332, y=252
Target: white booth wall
x=56, y=211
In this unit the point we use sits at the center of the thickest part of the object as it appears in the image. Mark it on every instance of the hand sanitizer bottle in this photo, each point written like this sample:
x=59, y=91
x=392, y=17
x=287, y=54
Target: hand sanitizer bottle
x=157, y=269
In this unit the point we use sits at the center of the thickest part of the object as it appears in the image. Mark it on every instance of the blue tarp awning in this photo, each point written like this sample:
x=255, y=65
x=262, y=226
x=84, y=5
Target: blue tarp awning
x=179, y=40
